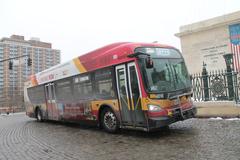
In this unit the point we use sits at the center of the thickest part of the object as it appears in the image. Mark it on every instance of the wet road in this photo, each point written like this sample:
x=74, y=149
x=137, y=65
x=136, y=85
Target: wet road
x=22, y=138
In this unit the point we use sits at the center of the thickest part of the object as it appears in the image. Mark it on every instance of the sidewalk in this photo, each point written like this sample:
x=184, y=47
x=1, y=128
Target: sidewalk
x=11, y=114
x=224, y=109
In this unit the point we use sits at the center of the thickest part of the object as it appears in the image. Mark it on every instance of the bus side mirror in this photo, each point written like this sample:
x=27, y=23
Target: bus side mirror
x=149, y=62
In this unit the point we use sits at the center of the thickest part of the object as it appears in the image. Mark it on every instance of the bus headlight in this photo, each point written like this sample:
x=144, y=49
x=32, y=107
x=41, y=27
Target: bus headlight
x=152, y=107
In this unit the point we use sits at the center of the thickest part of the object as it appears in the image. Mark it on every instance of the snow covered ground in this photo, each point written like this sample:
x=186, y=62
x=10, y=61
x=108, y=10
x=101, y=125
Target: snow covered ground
x=228, y=119
x=11, y=114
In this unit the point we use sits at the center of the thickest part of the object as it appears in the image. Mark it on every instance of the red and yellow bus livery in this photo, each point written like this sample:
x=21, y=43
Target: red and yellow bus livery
x=142, y=86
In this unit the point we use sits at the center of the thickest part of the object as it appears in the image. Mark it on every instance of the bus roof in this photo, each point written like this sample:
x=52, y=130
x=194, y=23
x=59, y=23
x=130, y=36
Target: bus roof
x=109, y=55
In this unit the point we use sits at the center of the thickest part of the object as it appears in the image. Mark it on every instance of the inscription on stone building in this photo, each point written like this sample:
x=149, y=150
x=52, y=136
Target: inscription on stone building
x=213, y=56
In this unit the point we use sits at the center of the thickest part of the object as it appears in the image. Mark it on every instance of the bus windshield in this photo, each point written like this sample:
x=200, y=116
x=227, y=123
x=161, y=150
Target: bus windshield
x=168, y=74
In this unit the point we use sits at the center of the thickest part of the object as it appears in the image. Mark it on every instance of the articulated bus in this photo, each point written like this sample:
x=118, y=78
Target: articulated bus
x=144, y=86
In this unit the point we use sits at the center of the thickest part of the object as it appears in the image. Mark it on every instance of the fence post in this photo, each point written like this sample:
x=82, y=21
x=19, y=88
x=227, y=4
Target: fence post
x=228, y=59
x=205, y=82
x=235, y=86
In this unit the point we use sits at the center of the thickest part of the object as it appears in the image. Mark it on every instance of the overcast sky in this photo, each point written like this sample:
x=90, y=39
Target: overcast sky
x=79, y=26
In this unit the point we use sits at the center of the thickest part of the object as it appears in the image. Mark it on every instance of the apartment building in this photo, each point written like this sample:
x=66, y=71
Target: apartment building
x=12, y=81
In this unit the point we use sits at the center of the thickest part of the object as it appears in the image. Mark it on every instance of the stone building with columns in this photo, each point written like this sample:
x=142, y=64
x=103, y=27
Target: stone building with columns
x=206, y=42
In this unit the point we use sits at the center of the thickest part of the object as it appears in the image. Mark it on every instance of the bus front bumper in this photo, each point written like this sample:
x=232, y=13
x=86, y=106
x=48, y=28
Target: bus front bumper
x=178, y=115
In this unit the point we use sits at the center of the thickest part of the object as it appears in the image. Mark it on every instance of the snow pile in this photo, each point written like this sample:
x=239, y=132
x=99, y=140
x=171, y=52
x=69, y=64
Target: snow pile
x=11, y=114
x=218, y=118
x=228, y=119
x=233, y=119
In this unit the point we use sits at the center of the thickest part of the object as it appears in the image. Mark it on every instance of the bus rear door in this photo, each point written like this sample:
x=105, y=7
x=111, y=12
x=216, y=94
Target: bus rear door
x=51, y=101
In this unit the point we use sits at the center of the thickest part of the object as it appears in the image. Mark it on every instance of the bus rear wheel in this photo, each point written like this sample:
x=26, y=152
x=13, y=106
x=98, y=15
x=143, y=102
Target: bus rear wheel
x=39, y=115
x=109, y=121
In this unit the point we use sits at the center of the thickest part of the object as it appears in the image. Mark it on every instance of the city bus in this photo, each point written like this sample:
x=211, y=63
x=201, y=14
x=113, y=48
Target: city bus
x=141, y=86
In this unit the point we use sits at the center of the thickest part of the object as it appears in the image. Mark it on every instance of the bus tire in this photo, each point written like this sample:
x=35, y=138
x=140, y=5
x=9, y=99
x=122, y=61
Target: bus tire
x=109, y=121
x=39, y=115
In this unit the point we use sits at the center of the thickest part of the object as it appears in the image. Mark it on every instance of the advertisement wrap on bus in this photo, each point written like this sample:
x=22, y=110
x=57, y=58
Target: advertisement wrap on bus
x=142, y=86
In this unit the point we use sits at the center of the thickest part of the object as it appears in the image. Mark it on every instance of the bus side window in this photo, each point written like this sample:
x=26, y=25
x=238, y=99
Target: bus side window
x=64, y=90
x=36, y=94
x=104, y=84
x=82, y=88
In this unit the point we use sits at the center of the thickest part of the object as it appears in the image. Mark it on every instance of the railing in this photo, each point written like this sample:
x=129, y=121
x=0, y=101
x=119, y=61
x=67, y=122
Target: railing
x=216, y=86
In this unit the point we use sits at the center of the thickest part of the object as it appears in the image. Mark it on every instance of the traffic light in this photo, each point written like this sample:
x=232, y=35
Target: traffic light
x=29, y=61
x=10, y=65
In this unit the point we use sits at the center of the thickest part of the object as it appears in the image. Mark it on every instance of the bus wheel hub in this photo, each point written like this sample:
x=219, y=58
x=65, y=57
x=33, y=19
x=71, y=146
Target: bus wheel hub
x=110, y=120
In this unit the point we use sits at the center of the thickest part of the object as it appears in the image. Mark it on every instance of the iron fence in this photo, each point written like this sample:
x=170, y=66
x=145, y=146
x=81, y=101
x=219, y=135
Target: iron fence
x=216, y=86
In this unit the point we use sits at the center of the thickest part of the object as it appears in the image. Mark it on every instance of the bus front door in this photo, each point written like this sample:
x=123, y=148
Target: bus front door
x=129, y=95
x=123, y=96
x=139, y=119
x=51, y=101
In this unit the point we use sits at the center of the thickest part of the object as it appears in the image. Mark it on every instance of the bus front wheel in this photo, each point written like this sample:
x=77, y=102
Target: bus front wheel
x=109, y=121
x=39, y=115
